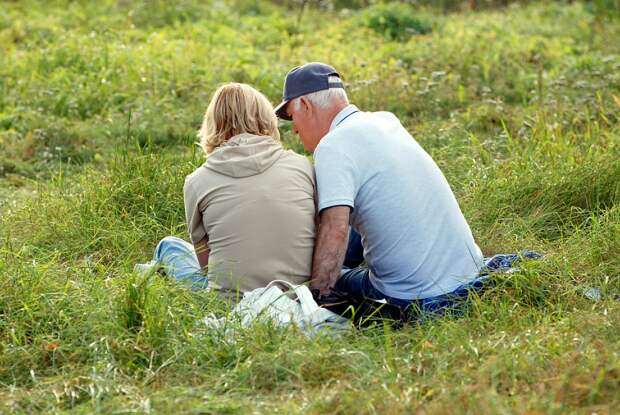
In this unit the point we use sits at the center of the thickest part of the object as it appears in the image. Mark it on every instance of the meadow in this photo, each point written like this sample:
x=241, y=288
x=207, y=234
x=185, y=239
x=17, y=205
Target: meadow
x=100, y=103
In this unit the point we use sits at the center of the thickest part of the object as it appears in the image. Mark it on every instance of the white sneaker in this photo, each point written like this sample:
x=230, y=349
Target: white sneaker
x=145, y=269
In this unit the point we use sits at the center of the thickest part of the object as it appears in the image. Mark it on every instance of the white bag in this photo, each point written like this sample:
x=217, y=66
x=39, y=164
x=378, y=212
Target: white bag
x=293, y=305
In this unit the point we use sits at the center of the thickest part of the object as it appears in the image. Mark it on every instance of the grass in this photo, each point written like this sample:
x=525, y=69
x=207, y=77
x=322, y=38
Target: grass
x=99, y=107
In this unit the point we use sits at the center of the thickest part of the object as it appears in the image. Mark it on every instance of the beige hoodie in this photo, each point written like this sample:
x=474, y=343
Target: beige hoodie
x=255, y=201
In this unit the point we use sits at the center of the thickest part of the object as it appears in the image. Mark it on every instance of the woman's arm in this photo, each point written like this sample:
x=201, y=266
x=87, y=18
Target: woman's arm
x=202, y=252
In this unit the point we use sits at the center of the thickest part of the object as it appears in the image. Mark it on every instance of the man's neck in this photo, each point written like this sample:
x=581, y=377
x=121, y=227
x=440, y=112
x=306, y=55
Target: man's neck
x=327, y=117
x=334, y=110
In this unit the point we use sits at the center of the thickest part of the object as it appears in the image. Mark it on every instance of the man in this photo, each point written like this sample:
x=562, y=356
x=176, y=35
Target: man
x=371, y=174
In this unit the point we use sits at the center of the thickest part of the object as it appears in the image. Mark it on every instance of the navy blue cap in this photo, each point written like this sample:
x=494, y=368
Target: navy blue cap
x=305, y=79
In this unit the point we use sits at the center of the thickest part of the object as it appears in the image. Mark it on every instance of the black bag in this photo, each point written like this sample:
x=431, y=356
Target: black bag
x=363, y=313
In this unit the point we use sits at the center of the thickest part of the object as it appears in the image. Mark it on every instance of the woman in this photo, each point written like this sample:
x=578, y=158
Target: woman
x=249, y=208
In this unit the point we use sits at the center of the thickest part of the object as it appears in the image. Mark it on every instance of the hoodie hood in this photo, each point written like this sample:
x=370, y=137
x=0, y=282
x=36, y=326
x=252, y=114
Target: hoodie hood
x=244, y=155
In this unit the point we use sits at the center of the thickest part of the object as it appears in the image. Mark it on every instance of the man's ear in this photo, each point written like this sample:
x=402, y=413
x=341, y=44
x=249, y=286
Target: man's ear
x=306, y=105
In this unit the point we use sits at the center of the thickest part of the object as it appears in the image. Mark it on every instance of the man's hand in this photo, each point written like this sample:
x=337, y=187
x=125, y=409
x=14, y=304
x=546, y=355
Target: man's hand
x=330, y=248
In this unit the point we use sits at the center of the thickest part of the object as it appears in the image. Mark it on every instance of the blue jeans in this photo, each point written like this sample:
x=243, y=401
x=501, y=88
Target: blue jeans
x=355, y=251
x=356, y=284
x=179, y=261
x=354, y=281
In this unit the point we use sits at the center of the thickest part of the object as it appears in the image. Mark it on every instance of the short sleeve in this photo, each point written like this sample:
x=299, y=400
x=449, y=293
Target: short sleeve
x=193, y=215
x=336, y=178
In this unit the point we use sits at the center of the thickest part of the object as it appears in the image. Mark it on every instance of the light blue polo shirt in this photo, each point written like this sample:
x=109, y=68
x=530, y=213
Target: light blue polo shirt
x=416, y=241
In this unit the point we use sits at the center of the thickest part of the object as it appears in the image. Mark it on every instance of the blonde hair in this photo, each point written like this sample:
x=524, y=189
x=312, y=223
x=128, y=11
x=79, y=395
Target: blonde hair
x=235, y=109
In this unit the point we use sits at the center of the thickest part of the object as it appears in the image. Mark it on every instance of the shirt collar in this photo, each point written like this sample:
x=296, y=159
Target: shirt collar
x=345, y=112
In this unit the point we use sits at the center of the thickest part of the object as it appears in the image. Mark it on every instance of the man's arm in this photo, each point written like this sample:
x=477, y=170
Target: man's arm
x=330, y=248
x=202, y=252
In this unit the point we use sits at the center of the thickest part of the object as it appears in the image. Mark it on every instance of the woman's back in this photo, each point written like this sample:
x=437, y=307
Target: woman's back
x=255, y=201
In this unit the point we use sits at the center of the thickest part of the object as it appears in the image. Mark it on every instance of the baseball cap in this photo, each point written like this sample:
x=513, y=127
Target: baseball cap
x=305, y=79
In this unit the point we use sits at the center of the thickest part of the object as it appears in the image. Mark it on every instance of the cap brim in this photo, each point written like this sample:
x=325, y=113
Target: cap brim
x=281, y=111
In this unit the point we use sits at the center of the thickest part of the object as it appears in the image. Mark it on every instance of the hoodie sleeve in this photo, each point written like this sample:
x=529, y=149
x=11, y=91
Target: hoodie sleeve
x=193, y=215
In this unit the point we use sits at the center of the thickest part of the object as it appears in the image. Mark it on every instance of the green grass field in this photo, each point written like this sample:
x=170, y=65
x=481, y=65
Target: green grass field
x=99, y=107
